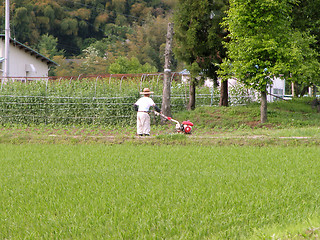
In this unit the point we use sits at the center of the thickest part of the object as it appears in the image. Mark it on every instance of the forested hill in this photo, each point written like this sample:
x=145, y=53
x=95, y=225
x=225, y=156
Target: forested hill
x=72, y=28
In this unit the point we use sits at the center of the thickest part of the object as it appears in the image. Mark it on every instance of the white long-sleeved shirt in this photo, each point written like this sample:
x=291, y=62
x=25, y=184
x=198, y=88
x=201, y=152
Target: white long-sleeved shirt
x=144, y=103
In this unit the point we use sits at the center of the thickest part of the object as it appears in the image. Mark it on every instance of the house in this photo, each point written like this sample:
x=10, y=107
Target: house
x=24, y=62
x=276, y=90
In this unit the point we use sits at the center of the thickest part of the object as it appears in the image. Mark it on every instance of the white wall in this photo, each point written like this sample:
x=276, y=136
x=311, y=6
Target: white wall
x=19, y=63
x=277, y=88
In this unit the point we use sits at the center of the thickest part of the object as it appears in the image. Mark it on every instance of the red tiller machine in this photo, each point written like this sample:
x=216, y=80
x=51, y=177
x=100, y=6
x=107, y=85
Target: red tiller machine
x=184, y=127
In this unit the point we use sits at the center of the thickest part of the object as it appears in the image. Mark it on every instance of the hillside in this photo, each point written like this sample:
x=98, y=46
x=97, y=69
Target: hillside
x=82, y=29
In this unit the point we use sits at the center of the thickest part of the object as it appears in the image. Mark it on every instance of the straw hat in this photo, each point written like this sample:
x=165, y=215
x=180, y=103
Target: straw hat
x=146, y=91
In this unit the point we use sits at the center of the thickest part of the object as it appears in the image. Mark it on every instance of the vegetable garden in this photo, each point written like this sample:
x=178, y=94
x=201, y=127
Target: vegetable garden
x=101, y=100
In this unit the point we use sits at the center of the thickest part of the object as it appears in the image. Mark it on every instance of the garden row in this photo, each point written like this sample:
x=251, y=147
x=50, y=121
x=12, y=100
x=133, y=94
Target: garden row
x=101, y=102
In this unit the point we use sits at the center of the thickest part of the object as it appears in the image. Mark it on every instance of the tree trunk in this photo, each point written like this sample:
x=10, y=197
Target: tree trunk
x=314, y=91
x=293, y=89
x=224, y=94
x=192, y=95
x=166, y=92
x=304, y=91
x=263, y=107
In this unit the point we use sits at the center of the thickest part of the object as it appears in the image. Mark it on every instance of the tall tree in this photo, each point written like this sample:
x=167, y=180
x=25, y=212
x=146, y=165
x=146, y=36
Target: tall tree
x=22, y=24
x=198, y=38
x=262, y=44
x=305, y=16
x=166, y=93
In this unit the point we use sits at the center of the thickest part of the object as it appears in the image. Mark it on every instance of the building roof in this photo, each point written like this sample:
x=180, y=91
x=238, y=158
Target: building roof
x=30, y=51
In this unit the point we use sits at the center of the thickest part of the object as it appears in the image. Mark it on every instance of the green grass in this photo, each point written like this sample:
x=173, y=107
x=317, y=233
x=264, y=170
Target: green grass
x=281, y=114
x=157, y=192
x=99, y=182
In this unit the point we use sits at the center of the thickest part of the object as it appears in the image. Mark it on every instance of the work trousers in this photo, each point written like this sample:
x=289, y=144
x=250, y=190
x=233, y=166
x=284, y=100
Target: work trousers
x=143, y=123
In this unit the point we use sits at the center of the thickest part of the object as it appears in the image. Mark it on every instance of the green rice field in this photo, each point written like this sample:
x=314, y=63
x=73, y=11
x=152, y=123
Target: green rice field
x=134, y=191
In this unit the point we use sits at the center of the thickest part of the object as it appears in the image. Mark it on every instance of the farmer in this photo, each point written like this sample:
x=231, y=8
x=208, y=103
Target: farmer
x=142, y=107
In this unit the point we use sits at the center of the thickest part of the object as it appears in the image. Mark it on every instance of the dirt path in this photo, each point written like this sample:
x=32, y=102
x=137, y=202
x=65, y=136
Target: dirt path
x=87, y=136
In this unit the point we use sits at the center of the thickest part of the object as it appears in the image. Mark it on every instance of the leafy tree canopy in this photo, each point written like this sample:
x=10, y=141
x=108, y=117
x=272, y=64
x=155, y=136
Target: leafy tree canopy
x=198, y=34
x=123, y=65
x=48, y=46
x=263, y=43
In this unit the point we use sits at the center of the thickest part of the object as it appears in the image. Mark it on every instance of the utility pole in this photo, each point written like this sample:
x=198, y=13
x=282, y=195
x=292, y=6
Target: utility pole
x=7, y=41
x=165, y=107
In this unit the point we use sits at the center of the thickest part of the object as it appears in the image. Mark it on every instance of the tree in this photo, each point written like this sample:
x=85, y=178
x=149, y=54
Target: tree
x=93, y=63
x=123, y=65
x=305, y=70
x=64, y=68
x=166, y=93
x=305, y=16
x=48, y=46
x=145, y=41
x=198, y=38
x=306, y=19
x=262, y=44
x=22, y=24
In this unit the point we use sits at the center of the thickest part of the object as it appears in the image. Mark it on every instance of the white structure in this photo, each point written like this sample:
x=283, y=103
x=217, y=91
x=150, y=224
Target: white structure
x=24, y=62
x=275, y=90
